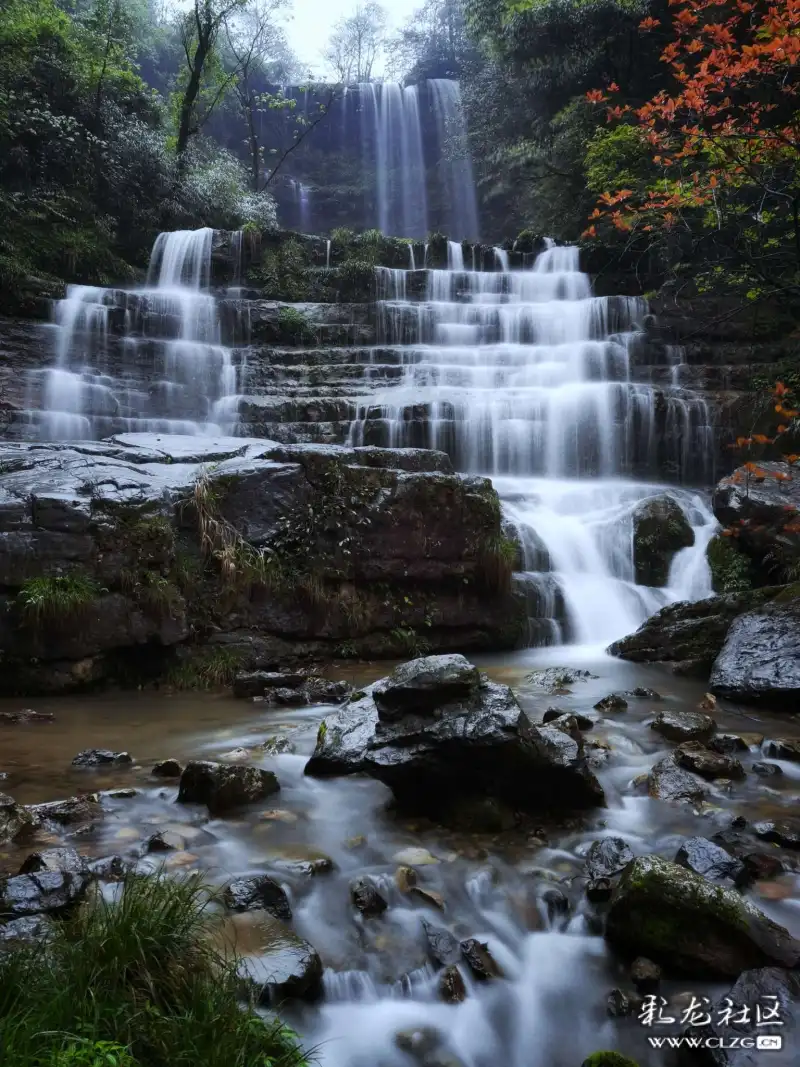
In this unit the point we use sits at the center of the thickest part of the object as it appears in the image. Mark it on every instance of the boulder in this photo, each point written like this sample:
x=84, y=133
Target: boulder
x=556, y=716
x=256, y=683
x=167, y=768
x=645, y=975
x=683, y=725
x=76, y=811
x=26, y=715
x=702, y=856
x=443, y=948
x=607, y=856
x=727, y=744
x=480, y=960
x=785, y=833
x=694, y=756
x=440, y=751
x=366, y=898
x=761, y=509
x=660, y=530
x=766, y=770
x=109, y=869
x=280, y=965
x=451, y=987
x=760, y=660
x=612, y=702
x=558, y=678
x=47, y=891
x=55, y=859
x=16, y=821
x=691, y=926
x=290, y=689
x=668, y=781
x=641, y=692
x=258, y=893
x=223, y=787
x=787, y=748
x=32, y=930
x=101, y=757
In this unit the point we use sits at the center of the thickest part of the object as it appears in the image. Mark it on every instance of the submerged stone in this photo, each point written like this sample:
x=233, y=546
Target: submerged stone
x=684, y=725
x=224, y=787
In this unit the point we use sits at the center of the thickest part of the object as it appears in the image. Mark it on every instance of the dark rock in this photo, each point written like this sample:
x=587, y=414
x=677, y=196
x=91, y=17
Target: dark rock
x=74, y=811
x=567, y=724
x=689, y=635
x=694, y=756
x=785, y=833
x=710, y=860
x=761, y=867
x=418, y=1042
x=618, y=1004
x=47, y=891
x=99, y=757
x=607, y=856
x=479, y=745
x=259, y=893
x=26, y=715
x=645, y=975
x=452, y=989
x=787, y=748
x=288, y=698
x=683, y=725
x=222, y=787
x=553, y=715
x=766, y=770
x=16, y=821
x=422, y=685
x=642, y=693
x=443, y=947
x=598, y=890
x=165, y=841
x=367, y=899
x=276, y=746
x=109, y=869
x=32, y=930
x=760, y=660
x=660, y=530
x=256, y=683
x=480, y=960
x=555, y=901
x=612, y=702
x=304, y=868
x=690, y=926
x=287, y=967
x=552, y=678
x=323, y=691
x=668, y=781
x=168, y=768
x=55, y=859
x=727, y=744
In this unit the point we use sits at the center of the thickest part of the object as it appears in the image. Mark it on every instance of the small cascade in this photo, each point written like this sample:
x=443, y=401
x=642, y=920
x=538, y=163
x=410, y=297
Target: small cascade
x=455, y=162
x=302, y=201
x=328, y=254
x=525, y=376
x=148, y=359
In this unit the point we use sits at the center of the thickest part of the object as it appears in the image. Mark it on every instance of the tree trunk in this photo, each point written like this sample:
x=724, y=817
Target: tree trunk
x=190, y=97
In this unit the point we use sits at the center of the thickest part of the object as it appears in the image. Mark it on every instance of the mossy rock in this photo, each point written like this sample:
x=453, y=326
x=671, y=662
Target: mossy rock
x=660, y=530
x=731, y=569
x=691, y=926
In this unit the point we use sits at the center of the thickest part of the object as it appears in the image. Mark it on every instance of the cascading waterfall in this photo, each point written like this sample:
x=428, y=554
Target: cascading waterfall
x=458, y=182
x=528, y=377
x=142, y=360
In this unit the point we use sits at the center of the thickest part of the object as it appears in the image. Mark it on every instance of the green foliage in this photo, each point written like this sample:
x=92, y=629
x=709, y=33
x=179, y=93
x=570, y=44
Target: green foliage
x=731, y=570
x=283, y=272
x=295, y=326
x=608, y=1059
x=209, y=668
x=55, y=601
x=497, y=558
x=617, y=157
x=135, y=983
x=409, y=643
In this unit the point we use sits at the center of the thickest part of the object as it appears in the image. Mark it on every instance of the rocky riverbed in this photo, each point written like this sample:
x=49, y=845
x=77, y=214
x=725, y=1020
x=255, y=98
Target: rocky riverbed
x=516, y=927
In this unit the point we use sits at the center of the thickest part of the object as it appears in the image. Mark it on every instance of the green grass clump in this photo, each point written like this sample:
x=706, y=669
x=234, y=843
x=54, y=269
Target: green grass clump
x=55, y=600
x=136, y=983
x=497, y=557
x=211, y=668
x=731, y=570
x=295, y=326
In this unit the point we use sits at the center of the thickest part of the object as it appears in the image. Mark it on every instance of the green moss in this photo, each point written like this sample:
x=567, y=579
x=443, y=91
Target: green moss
x=497, y=558
x=295, y=326
x=55, y=600
x=731, y=570
x=606, y=1058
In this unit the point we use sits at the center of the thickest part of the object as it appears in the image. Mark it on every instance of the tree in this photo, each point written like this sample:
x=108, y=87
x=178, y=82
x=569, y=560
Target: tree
x=203, y=84
x=432, y=44
x=356, y=43
x=723, y=143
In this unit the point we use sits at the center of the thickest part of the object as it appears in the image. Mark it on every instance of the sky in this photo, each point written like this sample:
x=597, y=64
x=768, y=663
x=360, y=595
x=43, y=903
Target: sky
x=312, y=21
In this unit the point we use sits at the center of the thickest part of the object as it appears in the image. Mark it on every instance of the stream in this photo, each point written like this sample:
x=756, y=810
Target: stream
x=520, y=892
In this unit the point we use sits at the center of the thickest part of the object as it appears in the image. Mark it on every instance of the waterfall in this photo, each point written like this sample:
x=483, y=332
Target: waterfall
x=455, y=163
x=302, y=199
x=525, y=376
x=149, y=359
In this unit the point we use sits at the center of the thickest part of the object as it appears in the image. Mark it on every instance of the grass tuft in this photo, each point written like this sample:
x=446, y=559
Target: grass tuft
x=497, y=557
x=136, y=983
x=55, y=600
x=212, y=668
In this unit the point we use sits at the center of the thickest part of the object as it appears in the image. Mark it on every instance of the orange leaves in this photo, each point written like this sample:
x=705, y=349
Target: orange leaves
x=762, y=439
x=649, y=24
x=781, y=390
x=596, y=96
x=590, y=231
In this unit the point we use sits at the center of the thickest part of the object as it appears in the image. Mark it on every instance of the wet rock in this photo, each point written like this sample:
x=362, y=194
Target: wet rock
x=618, y=1004
x=760, y=659
x=276, y=746
x=101, y=757
x=727, y=744
x=122, y=794
x=607, y=856
x=419, y=857
x=787, y=748
x=109, y=869
x=766, y=770
x=645, y=975
x=405, y=878
x=612, y=702
x=224, y=787
x=690, y=926
x=286, y=966
x=443, y=947
x=710, y=860
x=598, y=890
x=55, y=859
x=47, y=891
x=25, y=715
x=785, y=833
x=557, y=717
x=668, y=781
x=552, y=678
x=436, y=756
x=74, y=811
x=660, y=530
x=694, y=756
x=642, y=693
x=567, y=724
x=308, y=867
x=323, y=691
x=480, y=960
x=16, y=821
x=256, y=683
x=259, y=893
x=423, y=685
x=451, y=987
x=366, y=898
x=165, y=841
x=236, y=755
x=418, y=1042
x=428, y=896
x=684, y=725
x=555, y=902
x=168, y=768
x=31, y=930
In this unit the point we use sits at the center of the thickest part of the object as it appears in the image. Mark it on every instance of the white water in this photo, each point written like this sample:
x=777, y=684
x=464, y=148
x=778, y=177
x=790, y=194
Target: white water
x=169, y=331
x=527, y=377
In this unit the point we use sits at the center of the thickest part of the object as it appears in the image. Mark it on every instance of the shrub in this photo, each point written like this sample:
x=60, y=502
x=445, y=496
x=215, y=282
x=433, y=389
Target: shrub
x=295, y=325
x=135, y=983
x=497, y=557
x=55, y=600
